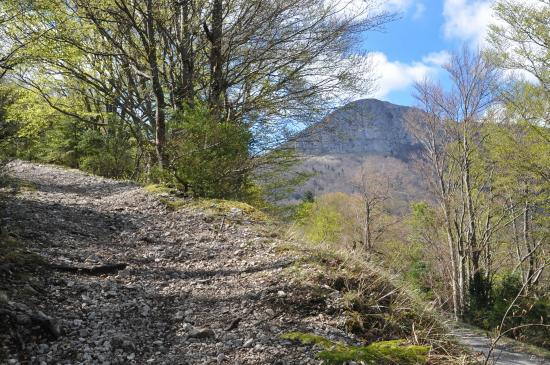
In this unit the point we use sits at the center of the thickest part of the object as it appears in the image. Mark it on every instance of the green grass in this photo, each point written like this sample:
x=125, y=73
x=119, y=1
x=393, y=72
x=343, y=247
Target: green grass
x=381, y=353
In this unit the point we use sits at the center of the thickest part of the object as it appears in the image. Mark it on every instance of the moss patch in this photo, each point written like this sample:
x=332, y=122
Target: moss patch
x=382, y=353
x=158, y=189
x=308, y=339
x=224, y=207
x=173, y=203
x=211, y=206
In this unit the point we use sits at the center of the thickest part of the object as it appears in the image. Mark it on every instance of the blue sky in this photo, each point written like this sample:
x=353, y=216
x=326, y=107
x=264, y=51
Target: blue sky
x=416, y=45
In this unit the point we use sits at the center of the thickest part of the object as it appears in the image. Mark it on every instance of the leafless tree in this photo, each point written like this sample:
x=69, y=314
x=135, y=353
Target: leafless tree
x=376, y=186
x=449, y=126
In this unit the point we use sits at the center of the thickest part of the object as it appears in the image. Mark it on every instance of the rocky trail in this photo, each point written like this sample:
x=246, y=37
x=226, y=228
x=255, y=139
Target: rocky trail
x=197, y=288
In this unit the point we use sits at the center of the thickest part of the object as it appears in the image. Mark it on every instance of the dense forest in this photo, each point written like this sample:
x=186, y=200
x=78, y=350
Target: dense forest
x=201, y=96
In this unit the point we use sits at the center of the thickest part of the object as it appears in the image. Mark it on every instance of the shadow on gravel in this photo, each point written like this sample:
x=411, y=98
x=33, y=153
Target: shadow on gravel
x=54, y=224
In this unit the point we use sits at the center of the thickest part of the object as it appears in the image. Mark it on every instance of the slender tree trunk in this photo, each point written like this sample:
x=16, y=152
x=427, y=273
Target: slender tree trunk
x=367, y=227
x=472, y=234
x=529, y=247
x=453, y=255
x=184, y=87
x=160, y=122
x=216, y=59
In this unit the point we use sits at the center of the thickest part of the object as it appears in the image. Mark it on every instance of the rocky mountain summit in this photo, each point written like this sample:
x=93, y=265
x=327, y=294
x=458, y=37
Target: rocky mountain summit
x=362, y=127
x=365, y=134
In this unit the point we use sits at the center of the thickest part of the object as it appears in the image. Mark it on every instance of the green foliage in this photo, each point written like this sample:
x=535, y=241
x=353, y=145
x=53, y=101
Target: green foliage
x=480, y=290
x=418, y=272
x=46, y=135
x=107, y=151
x=382, y=353
x=320, y=223
x=520, y=39
x=210, y=157
x=276, y=174
x=309, y=197
x=418, y=259
x=8, y=129
x=520, y=152
x=529, y=308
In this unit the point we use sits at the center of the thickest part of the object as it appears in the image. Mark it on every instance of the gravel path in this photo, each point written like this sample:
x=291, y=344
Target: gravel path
x=501, y=355
x=186, y=286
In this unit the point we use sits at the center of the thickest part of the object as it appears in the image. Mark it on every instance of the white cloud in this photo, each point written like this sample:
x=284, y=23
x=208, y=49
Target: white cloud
x=396, y=5
x=437, y=58
x=368, y=7
x=467, y=20
x=396, y=76
x=419, y=9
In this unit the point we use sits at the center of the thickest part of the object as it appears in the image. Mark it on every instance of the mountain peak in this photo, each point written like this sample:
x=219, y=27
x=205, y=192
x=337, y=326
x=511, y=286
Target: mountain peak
x=365, y=126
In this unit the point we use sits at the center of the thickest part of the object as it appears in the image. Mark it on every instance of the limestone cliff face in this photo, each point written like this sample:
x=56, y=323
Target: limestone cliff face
x=363, y=127
x=364, y=135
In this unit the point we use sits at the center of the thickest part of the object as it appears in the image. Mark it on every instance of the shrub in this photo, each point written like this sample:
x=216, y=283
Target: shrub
x=319, y=222
x=208, y=158
x=107, y=152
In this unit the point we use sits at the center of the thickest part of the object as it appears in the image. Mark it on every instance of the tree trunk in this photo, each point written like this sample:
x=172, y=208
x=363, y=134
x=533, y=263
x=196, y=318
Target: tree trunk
x=472, y=235
x=216, y=59
x=160, y=127
x=453, y=255
x=528, y=246
x=367, y=227
x=184, y=87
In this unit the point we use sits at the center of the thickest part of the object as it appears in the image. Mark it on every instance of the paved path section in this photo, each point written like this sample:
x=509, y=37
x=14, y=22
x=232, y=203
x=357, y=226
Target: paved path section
x=501, y=355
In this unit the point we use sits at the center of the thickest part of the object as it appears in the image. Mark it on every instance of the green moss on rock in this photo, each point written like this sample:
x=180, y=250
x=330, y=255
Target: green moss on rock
x=380, y=353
